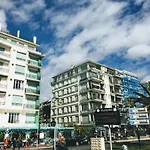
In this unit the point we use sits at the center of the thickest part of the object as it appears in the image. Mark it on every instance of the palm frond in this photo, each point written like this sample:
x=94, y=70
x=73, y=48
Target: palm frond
x=146, y=89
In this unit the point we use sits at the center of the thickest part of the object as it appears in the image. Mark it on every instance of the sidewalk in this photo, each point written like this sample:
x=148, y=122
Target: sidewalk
x=132, y=139
x=32, y=148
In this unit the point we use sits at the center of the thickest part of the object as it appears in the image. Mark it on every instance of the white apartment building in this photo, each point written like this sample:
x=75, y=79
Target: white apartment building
x=78, y=91
x=20, y=66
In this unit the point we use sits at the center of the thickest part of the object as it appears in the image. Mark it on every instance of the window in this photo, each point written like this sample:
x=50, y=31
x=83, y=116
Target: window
x=17, y=100
x=85, y=119
x=30, y=118
x=2, y=49
x=13, y=118
x=18, y=84
x=21, y=56
x=20, y=69
x=83, y=76
x=84, y=67
x=1, y=64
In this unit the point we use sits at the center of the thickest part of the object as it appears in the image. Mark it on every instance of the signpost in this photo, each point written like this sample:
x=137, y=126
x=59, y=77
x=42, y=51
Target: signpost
x=138, y=116
x=107, y=116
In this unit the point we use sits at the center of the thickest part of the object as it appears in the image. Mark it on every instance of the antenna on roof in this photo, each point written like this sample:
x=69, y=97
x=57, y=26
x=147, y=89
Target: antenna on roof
x=18, y=33
x=34, y=39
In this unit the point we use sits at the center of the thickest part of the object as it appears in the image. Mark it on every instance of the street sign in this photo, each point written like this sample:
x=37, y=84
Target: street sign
x=107, y=116
x=138, y=116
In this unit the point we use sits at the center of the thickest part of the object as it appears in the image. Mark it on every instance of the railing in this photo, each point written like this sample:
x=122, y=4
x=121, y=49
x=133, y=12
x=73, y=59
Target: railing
x=33, y=76
x=4, y=54
x=2, y=103
x=3, y=86
x=16, y=104
x=29, y=90
x=34, y=63
x=30, y=106
x=30, y=122
x=3, y=69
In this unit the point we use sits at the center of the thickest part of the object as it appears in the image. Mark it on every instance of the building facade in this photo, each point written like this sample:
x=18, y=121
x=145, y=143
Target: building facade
x=20, y=66
x=45, y=113
x=78, y=91
x=130, y=85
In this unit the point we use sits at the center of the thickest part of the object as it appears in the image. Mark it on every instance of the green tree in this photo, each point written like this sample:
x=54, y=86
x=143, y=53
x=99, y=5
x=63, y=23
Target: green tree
x=145, y=100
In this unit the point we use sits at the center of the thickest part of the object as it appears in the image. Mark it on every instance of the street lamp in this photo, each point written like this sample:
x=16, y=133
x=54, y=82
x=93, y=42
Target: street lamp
x=54, y=124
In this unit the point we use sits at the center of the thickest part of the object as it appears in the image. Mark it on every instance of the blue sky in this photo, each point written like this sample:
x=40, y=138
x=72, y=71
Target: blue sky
x=113, y=32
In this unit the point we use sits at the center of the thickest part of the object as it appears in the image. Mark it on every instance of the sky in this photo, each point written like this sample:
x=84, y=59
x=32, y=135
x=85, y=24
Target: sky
x=115, y=33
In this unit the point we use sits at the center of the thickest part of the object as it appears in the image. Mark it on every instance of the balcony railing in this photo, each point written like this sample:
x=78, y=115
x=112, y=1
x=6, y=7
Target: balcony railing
x=3, y=69
x=17, y=104
x=33, y=76
x=29, y=106
x=34, y=91
x=3, y=86
x=34, y=63
x=2, y=103
x=4, y=54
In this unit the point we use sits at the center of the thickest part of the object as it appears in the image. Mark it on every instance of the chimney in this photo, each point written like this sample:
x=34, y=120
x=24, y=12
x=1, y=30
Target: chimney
x=34, y=39
x=18, y=33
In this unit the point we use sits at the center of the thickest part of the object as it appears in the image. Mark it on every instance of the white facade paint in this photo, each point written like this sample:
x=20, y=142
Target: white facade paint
x=16, y=54
x=81, y=89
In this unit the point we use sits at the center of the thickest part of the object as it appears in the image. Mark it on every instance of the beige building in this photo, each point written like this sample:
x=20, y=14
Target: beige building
x=78, y=91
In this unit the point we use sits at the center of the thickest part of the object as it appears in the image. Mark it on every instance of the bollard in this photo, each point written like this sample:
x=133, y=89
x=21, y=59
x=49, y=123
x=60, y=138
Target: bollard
x=124, y=147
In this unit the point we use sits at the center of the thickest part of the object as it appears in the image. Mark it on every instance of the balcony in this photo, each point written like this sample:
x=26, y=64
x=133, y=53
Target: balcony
x=118, y=93
x=29, y=106
x=84, y=100
x=33, y=77
x=97, y=90
x=31, y=91
x=4, y=55
x=83, y=90
x=117, y=83
x=2, y=103
x=3, y=71
x=34, y=63
x=16, y=104
x=3, y=87
x=95, y=78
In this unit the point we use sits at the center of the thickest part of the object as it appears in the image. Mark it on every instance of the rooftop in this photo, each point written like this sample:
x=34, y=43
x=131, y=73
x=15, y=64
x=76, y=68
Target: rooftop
x=17, y=37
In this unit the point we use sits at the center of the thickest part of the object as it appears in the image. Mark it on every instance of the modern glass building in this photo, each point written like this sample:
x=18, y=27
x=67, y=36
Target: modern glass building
x=130, y=85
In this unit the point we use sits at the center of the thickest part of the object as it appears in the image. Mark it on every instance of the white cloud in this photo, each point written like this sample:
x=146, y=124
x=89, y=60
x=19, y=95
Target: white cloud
x=26, y=11
x=138, y=51
x=99, y=32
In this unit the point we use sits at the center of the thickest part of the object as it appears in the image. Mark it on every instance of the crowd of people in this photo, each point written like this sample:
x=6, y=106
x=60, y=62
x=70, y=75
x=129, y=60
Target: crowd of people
x=16, y=144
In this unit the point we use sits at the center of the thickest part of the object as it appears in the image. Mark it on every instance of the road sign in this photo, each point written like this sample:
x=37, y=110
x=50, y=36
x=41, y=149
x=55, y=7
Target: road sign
x=138, y=116
x=107, y=116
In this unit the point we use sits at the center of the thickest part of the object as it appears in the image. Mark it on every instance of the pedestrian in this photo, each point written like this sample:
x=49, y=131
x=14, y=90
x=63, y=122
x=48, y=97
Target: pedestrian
x=19, y=144
x=14, y=143
x=61, y=145
x=5, y=142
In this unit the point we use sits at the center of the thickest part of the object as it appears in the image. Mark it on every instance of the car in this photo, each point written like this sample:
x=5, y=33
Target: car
x=79, y=140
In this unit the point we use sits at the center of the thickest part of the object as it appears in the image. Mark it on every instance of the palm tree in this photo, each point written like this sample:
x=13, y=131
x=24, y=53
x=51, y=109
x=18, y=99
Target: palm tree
x=145, y=100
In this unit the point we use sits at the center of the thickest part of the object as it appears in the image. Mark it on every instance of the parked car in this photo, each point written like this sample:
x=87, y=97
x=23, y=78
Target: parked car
x=79, y=140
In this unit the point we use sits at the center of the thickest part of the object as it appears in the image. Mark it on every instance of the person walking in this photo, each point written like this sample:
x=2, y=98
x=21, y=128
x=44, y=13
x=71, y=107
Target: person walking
x=61, y=145
x=14, y=143
x=19, y=144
